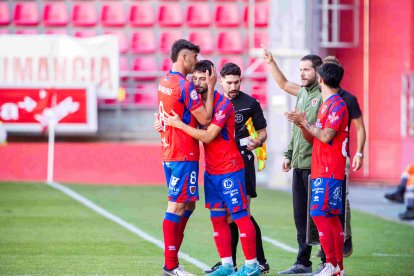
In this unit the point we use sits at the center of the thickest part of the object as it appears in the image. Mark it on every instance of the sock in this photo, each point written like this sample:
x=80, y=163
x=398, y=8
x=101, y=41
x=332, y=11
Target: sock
x=234, y=240
x=183, y=222
x=247, y=234
x=227, y=260
x=222, y=236
x=326, y=238
x=259, y=245
x=338, y=234
x=252, y=261
x=170, y=227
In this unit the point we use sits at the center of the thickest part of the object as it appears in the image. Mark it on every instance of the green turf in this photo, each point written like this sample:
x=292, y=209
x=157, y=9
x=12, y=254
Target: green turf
x=44, y=232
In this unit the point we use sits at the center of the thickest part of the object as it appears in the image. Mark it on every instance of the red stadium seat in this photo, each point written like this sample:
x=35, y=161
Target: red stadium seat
x=229, y=42
x=145, y=68
x=122, y=39
x=227, y=15
x=4, y=14
x=123, y=68
x=166, y=64
x=170, y=15
x=141, y=15
x=258, y=91
x=84, y=14
x=204, y=39
x=56, y=32
x=258, y=74
x=198, y=15
x=143, y=42
x=113, y=14
x=55, y=14
x=236, y=60
x=145, y=95
x=261, y=15
x=4, y=31
x=26, y=32
x=167, y=39
x=260, y=37
x=85, y=33
x=26, y=14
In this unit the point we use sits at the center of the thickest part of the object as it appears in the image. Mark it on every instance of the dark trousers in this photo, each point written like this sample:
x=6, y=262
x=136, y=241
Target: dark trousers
x=300, y=207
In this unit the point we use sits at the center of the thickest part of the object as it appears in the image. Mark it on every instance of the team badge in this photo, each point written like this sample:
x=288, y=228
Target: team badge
x=193, y=94
x=228, y=183
x=192, y=189
x=314, y=102
x=239, y=118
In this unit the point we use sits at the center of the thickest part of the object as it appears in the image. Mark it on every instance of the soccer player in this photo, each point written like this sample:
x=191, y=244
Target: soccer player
x=299, y=151
x=245, y=107
x=224, y=178
x=180, y=152
x=328, y=164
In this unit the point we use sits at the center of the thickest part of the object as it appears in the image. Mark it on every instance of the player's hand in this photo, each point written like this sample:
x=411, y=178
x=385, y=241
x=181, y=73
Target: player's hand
x=253, y=144
x=296, y=117
x=157, y=123
x=356, y=162
x=267, y=54
x=173, y=120
x=286, y=165
x=211, y=79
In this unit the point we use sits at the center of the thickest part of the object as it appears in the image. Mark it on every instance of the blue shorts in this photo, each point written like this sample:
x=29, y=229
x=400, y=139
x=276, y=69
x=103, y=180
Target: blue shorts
x=326, y=197
x=182, y=181
x=226, y=191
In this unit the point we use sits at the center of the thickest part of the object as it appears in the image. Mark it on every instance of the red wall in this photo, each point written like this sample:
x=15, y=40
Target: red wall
x=391, y=53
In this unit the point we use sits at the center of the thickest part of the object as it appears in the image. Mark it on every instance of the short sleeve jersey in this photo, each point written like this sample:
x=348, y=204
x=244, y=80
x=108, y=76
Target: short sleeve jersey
x=178, y=94
x=328, y=160
x=222, y=155
x=247, y=107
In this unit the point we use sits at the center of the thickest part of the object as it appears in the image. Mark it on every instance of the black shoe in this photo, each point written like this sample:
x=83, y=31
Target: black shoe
x=348, y=247
x=297, y=269
x=319, y=254
x=213, y=268
x=407, y=215
x=396, y=197
x=264, y=268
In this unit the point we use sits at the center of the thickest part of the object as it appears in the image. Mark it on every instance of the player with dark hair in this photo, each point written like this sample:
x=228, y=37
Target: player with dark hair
x=328, y=164
x=223, y=180
x=180, y=152
x=245, y=107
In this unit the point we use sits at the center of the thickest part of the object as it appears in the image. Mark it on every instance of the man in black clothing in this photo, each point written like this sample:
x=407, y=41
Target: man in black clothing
x=245, y=107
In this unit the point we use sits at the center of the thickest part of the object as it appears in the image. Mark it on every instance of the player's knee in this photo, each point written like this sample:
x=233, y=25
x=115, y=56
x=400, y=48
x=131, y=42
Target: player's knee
x=190, y=206
x=177, y=208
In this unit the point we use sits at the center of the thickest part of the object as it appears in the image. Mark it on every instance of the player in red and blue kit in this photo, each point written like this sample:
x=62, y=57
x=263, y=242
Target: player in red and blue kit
x=224, y=184
x=180, y=152
x=328, y=164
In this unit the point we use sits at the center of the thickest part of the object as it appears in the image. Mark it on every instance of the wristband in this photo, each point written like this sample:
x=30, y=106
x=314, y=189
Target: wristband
x=360, y=154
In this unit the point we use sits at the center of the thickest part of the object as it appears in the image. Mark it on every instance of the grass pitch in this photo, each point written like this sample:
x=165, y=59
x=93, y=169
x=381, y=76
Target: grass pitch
x=45, y=232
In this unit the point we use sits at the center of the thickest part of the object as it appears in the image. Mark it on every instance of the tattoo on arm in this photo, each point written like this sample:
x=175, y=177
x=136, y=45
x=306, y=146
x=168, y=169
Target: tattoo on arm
x=325, y=135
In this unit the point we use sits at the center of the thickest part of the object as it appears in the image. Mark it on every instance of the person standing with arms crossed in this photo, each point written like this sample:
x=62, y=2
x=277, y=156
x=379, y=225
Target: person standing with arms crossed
x=180, y=152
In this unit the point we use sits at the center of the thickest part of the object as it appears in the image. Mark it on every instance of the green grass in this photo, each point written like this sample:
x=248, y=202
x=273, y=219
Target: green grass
x=45, y=232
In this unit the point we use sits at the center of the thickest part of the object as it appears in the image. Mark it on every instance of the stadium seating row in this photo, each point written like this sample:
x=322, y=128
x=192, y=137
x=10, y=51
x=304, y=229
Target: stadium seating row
x=117, y=14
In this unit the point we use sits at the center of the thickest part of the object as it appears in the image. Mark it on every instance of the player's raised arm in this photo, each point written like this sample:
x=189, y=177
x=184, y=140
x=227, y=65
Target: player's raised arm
x=204, y=113
x=286, y=85
x=205, y=136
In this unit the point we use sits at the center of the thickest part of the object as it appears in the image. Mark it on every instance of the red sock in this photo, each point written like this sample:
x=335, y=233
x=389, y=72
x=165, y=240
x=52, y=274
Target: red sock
x=183, y=223
x=338, y=234
x=247, y=235
x=222, y=235
x=170, y=227
x=326, y=238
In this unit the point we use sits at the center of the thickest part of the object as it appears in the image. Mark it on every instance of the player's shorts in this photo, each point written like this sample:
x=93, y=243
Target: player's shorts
x=182, y=180
x=326, y=197
x=225, y=191
x=250, y=172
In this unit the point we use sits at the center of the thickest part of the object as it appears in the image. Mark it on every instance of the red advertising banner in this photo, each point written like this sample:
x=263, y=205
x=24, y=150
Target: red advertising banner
x=30, y=109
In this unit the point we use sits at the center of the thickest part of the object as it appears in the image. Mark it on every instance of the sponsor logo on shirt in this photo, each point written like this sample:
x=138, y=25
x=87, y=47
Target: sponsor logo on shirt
x=234, y=201
x=219, y=115
x=164, y=89
x=316, y=198
x=333, y=117
x=193, y=95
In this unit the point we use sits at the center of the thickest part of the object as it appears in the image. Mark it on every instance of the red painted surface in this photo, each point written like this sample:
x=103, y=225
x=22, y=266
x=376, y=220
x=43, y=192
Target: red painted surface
x=91, y=163
x=391, y=53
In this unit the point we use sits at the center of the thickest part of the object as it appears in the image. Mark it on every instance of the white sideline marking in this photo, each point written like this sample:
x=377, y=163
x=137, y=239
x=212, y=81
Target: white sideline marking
x=279, y=244
x=123, y=223
x=390, y=255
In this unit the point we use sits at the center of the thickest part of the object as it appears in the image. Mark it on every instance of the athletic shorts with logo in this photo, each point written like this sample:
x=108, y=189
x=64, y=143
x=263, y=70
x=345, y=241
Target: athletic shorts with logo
x=226, y=191
x=326, y=197
x=182, y=180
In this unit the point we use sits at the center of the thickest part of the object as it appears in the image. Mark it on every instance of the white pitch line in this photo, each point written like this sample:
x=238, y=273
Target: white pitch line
x=390, y=255
x=123, y=223
x=279, y=244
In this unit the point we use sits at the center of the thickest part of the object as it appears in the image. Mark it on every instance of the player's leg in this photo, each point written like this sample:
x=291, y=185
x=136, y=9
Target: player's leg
x=409, y=196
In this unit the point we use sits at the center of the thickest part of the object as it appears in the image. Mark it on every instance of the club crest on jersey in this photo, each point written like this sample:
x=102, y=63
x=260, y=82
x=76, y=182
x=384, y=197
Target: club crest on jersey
x=193, y=95
x=239, y=118
x=219, y=115
x=192, y=189
x=174, y=180
x=333, y=117
x=228, y=183
x=314, y=102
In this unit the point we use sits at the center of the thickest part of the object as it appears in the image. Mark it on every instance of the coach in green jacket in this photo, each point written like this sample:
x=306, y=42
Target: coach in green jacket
x=299, y=151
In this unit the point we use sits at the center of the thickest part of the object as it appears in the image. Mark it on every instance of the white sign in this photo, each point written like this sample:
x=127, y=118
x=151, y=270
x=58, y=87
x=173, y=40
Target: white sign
x=48, y=61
